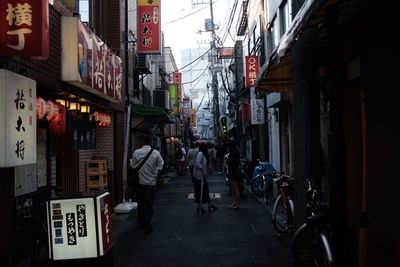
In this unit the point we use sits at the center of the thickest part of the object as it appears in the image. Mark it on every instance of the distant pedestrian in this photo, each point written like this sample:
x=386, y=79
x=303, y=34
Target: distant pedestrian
x=212, y=153
x=148, y=175
x=180, y=156
x=191, y=157
x=200, y=175
x=234, y=176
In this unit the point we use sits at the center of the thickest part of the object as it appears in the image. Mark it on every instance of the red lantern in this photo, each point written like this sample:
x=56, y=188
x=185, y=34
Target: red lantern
x=40, y=108
x=58, y=124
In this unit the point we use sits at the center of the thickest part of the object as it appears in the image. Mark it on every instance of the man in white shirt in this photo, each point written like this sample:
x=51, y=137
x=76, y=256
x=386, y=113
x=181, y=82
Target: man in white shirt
x=148, y=175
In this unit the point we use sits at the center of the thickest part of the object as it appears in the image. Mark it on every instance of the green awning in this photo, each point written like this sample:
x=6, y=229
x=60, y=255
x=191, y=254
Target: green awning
x=151, y=112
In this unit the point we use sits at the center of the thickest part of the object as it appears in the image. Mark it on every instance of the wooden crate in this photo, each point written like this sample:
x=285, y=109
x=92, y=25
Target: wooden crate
x=97, y=187
x=96, y=179
x=96, y=167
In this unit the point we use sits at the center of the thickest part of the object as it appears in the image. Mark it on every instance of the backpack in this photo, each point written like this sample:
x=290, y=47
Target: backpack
x=178, y=153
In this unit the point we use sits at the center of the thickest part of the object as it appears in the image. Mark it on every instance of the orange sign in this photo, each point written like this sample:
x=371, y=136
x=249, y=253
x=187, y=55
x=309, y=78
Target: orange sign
x=149, y=26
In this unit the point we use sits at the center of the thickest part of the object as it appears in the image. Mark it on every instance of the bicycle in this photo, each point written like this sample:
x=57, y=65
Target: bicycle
x=30, y=247
x=261, y=183
x=283, y=209
x=310, y=244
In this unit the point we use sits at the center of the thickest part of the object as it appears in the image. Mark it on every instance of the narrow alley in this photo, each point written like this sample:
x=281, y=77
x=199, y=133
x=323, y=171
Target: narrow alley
x=181, y=237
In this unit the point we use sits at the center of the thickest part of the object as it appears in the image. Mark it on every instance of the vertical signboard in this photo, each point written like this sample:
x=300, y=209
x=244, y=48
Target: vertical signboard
x=24, y=29
x=251, y=70
x=104, y=218
x=257, y=111
x=173, y=95
x=149, y=26
x=177, y=79
x=245, y=114
x=17, y=120
x=193, y=120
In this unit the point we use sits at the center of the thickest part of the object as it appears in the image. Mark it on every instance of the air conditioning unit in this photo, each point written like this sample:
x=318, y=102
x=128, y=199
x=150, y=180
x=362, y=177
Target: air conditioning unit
x=160, y=98
x=143, y=64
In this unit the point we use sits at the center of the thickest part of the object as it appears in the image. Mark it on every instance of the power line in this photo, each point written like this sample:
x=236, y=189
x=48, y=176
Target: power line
x=190, y=63
x=204, y=70
x=172, y=21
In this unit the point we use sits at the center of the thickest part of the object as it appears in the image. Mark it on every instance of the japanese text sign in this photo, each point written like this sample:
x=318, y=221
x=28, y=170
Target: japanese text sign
x=88, y=62
x=251, y=70
x=257, y=111
x=24, y=29
x=104, y=217
x=177, y=79
x=17, y=120
x=149, y=26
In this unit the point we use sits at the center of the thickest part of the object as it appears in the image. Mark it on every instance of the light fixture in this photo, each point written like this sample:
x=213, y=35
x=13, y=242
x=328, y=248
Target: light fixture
x=74, y=106
x=85, y=109
x=61, y=101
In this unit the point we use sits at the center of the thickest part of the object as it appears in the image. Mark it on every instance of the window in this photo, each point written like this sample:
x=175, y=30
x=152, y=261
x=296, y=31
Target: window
x=84, y=10
x=274, y=33
x=256, y=43
x=284, y=17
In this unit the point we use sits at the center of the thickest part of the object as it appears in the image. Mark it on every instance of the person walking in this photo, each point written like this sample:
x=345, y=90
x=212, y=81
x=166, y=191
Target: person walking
x=190, y=158
x=180, y=156
x=151, y=163
x=234, y=176
x=202, y=195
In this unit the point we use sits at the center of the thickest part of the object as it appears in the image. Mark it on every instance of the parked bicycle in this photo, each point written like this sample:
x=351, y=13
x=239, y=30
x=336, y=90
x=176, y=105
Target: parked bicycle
x=283, y=210
x=30, y=247
x=261, y=183
x=310, y=244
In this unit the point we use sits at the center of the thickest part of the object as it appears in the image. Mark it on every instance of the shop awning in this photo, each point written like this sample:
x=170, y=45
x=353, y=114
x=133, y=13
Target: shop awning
x=276, y=74
x=149, y=117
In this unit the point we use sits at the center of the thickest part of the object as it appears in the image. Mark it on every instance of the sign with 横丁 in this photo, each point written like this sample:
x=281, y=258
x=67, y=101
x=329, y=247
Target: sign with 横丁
x=251, y=70
x=24, y=29
x=257, y=111
x=17, y=120
x=149, y=26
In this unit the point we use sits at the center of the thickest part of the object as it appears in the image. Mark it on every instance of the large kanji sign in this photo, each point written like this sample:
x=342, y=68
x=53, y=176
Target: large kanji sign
x=24, y=29
x=251, y=70
x=149, y=27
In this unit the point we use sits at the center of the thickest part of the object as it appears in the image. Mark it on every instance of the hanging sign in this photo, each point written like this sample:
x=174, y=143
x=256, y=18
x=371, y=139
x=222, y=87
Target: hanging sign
x=257, y=111
x=173, y=95
x=177, y=79
x=245, y=114
x=17, y=119
x=24, y=29
x=251, y=70
x=149, y=26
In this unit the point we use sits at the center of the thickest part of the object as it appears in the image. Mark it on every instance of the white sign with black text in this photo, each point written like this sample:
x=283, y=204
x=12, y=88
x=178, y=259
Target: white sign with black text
x=257, y=111
x=17, y=119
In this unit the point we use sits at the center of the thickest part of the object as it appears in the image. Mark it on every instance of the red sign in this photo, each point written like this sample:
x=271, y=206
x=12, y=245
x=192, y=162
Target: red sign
x=226, y=53
x=106, y=227
x=24, y=29
x=149, y=26
x=251, y=70
x=245, y=113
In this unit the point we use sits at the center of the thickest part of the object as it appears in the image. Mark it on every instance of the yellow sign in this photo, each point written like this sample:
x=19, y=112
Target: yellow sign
x=193, y=120
x=148, y=2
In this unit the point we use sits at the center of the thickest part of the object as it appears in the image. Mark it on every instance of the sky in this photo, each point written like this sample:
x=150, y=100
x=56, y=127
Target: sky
x=181, y=22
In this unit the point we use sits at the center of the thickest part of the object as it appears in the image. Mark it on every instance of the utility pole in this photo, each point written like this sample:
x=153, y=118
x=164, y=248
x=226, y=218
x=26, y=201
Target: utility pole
x=214, y=83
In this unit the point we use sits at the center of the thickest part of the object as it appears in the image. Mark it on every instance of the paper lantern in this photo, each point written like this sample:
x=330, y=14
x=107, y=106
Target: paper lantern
x=58, y=124
x=40, y=108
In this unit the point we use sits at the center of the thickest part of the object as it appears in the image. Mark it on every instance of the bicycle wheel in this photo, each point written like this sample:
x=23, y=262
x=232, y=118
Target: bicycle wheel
x=308, y=251
x=268, y=193
x=257, y=186
x=282, y=214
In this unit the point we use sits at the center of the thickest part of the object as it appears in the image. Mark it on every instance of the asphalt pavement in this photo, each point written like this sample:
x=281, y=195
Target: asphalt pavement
x=181, y=237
